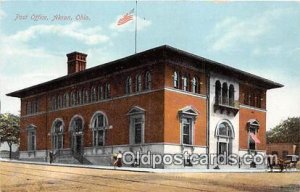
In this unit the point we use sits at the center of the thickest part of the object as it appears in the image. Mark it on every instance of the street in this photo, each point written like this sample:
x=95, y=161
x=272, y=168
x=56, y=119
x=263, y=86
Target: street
x=29, y=177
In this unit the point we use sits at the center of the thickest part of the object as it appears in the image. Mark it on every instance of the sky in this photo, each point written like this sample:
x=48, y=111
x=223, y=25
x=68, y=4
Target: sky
x=262, y=38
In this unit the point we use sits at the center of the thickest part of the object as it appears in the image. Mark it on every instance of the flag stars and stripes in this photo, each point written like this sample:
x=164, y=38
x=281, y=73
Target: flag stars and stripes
x=126, y=18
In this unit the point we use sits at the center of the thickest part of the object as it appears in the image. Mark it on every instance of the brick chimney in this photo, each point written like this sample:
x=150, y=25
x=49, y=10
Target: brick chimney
x=76, y=62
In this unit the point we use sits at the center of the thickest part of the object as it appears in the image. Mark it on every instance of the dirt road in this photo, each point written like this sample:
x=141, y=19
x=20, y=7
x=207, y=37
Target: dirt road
x=26, y=177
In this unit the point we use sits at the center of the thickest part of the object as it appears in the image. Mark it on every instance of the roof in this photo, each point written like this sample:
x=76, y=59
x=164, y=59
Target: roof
x=162, y=52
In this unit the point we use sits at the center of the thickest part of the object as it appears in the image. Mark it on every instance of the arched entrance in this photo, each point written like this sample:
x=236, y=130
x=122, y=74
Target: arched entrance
x=225, y=135
x=76, y=129
x=57, y=132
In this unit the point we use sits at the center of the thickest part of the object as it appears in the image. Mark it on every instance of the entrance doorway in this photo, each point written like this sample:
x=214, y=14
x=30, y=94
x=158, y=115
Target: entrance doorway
x=77, y=135
x=225, y=136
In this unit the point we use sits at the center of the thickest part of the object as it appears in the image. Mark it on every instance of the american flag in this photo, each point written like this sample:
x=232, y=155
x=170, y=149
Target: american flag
x=127, y=17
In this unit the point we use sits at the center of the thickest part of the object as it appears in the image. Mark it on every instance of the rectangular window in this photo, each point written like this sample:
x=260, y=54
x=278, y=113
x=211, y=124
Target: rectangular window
x=137, y=130
x=31, y=140
x=251, y=141
x=187, y=131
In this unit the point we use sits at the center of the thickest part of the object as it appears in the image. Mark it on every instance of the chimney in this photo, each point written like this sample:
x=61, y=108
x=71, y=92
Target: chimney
x=76, y=62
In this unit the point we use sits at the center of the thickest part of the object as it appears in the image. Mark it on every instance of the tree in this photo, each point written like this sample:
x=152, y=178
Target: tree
x=287, y=131
x=9, y=130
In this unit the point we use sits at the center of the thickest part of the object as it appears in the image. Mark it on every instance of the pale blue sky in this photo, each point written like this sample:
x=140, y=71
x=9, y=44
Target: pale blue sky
x=259, y=37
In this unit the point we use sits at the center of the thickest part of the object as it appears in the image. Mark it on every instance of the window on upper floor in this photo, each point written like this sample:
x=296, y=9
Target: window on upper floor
x=73, y=98
x=59, y=102
x=66, y=100
x=79, y=97
x=93, y=94
x=138, y=83
x=231, y=95
x=176, y=80
x=100, y=92
x=86, y=96
x=185, y=83
x=107, y=91
x=148, y=80
x=128, y=86
x=195, y=85
x=225, y=94
x=53, y=103
x=218, y=98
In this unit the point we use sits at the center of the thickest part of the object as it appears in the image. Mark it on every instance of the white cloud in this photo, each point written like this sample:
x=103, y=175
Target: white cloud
x=130, y=26
x=2, y=14
x=231, y=32
x=75, y=30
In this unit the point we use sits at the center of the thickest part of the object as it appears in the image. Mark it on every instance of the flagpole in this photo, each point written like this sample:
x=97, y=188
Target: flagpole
x=135, y=34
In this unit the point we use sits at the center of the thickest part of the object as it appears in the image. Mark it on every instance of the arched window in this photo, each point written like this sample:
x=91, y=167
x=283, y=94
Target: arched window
x=218, y=92
x=231, y=95
x=100, y=92
x=86, y=96
x=73, y=98
x=99, y=124
x=57, y=134
x=60, y=101
x=225, y=94
x=66, y=100
x=128, y=87
x=252, y=100
x=53, y=104
x=185, y=83
x=93, y=94
x=176, y=80
x=79, y=97
x=107, y=90
x=148, y=81
x=195, y=85
x=259, y=99
x=138, y=83
x=224, y=130
x=28, y=107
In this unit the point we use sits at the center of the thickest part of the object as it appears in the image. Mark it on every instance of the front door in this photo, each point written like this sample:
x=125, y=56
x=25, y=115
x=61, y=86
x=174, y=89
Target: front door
x=77, y=145
x=222, y=150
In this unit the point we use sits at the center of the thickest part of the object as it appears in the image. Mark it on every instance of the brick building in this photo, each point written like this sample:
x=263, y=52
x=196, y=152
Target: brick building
x=283, y=149
x=164, y=100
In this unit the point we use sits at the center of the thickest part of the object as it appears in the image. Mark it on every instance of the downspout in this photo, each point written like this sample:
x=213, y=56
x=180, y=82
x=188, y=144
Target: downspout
x=207, y=114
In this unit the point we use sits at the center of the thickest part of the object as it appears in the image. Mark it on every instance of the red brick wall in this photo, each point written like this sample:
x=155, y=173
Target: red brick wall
x=116, y=110
x=173, y=103
x=245, y=115
x=280, y=147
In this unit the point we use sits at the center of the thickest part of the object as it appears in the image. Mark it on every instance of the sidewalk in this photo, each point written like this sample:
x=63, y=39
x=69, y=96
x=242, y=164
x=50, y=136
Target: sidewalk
x=150, y=170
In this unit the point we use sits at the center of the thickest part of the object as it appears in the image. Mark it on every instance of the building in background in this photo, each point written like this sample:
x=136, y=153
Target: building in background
x=164, y=100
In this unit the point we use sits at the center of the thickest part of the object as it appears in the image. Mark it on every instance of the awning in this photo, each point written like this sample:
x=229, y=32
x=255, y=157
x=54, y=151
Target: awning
x=255, y=139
